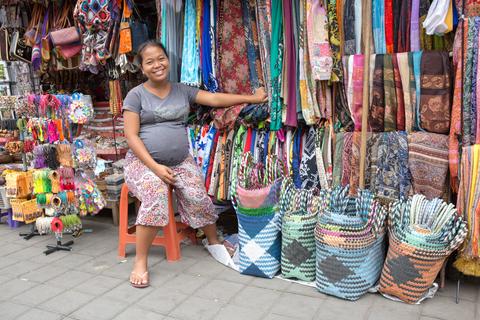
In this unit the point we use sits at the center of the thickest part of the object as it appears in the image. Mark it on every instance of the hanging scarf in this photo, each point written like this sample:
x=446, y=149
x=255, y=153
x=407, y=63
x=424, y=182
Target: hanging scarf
x=310, y=110
x=435, y=92
x=397, y=7
x=252, y=48
x=334, y=41
x=358, y=26
x=190, y=57
x=346, y=158
x=390, y=118
x=319, y=51
x=403, y=34
x=414, y=26
x=290, y=63
x=308, y=165
x=319, y=147
x=399, y=94
x=357, y=91
x=208, y=77
x=158, y=31
x=211, y=161
x=263, y=26
x=417, y=58
x=173, y=36
x=355, y=163
x=473, y=108
x=378, y=26
x=276, y=64
x=371, y=161
x=344, y=117
x=376, y=114
x=455, y=135
x=338, y=159
x=428, y=163
x=349, y=42
x=389, y=28
x=467, y=87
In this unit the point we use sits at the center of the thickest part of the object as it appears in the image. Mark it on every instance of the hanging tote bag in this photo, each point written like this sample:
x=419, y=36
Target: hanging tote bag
x=298, y=231
x=259, y=220
x=350, y=243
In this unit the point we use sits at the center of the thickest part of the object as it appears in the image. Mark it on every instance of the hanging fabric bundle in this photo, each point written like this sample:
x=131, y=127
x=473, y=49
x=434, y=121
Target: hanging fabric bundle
x=469, y=206
x=422, y=234
x=259, y=220
x=299, y=212
x=350, y=242
x=190, y=55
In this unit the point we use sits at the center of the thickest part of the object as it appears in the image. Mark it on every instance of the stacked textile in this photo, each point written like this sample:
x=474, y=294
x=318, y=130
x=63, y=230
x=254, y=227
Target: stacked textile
x=299, y=211
x=422, y=235
x=350, y=243
x=259, y=220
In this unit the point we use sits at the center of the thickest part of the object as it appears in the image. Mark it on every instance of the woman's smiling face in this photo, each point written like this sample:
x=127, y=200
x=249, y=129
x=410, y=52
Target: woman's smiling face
x=155, y=64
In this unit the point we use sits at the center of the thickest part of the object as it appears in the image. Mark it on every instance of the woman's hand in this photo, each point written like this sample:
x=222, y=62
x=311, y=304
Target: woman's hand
x=165, y=173
x=260, y=96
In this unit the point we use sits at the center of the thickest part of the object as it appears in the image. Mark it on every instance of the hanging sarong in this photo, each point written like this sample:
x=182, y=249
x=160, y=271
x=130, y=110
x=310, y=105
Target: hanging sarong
x=399, y=94
x=334, y=37
x=320, y=54
x=357, y=91
x=349, y=42
x=389, y=25
x=190, y=56
x=208, y=77
x=404, y=68
x=378, y=26
x=377, y=108
x=308, y=165
x=404, y=26
x=414, y=26
x=276, y=64
x=291, y=65
x=390, y=95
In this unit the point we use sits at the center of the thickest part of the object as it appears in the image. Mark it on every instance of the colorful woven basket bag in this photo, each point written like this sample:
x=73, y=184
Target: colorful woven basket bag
x=298, y=231
x=259, y=220
x=422, y=233
x=350, y=243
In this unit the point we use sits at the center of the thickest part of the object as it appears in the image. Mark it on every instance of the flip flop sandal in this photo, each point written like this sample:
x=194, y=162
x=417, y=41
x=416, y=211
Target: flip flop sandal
x=140, y=285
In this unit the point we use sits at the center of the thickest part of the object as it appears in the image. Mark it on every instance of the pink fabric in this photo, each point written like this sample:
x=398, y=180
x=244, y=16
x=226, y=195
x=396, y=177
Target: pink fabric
x=357, y=91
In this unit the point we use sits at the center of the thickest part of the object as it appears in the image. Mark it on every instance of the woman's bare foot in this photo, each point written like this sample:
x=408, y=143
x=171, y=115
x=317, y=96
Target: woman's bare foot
x=139, y=276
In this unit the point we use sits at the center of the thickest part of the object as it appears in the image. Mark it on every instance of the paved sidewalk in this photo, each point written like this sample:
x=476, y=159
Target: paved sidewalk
x=91, y=283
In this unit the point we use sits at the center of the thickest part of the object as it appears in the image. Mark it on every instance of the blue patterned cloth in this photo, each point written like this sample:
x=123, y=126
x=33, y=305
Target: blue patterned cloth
x=190, y=54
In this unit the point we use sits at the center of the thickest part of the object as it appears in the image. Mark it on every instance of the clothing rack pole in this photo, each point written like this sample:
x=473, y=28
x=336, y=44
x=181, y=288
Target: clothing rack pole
x=366, y=35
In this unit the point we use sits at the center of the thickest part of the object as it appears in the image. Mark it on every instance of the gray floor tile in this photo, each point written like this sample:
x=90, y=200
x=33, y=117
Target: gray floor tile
x=44, y=273
x=272, y=284
x=9, y=248
x=70, y=279
x=14, y=287
x=159, y=277
x=169, y=300
x=177, y=266
x=185, y=283
x=256, y=298
x=220, y=290
x=139, y=313
x=338, y=309
x=394, y=310
x=195, y=308
x=7, y=261
x=100, y=309
x=273, y=316
x=67, y=302
x=232, y=312
x=20, y=268
x=119, y=270
x=37, y=295
x=206, y=268
x=234, y=276
x=39, y=314
x=71, y=260
x=194, y=251
x=468, y=291
x=125, y=292
x=445, y=308
x=99, y=285
x=98, y=264
x=305, y=291
x=296, y=306
x=10, y=310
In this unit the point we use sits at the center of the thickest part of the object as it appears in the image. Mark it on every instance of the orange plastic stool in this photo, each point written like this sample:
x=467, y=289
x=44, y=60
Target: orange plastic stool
x=173, y=233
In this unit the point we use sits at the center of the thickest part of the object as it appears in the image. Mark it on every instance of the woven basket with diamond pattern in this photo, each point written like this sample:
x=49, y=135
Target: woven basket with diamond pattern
x=350, y=246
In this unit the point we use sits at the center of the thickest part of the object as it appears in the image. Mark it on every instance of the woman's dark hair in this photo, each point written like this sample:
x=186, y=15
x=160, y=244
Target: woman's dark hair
x=145, y=45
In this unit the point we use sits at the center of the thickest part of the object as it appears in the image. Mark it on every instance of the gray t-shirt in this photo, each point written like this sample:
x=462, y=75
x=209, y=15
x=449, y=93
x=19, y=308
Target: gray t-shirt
x=163, y=121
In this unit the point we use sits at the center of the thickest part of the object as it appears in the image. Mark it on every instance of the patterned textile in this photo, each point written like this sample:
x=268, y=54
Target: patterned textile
x=349, y=27
x=344, y=119
x=208, y=72
x=435, y=92
x=276, y=64
x=263, y=20
x=377, y=108
x=417, y=58
x=355, y=163
x=357, y=91
x=393, y=177
x=390, y=118
x=346, y=158
x=308, y=164
x=195, y=207
x=350, y=243
x=334, y=37
x=422, y=234
x=428, y=163
x=173, y=36
x=389, y=25
x=456, y=121
x=399, y=95
x=320, y=54
x=190, y=54
x=338, y=159
x=251, y=38
x=472, y=7
x=298, y=238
